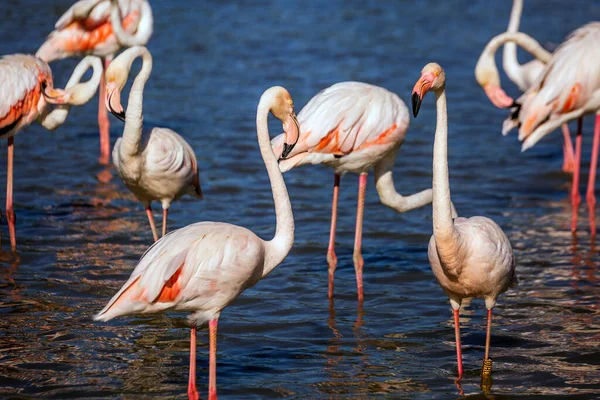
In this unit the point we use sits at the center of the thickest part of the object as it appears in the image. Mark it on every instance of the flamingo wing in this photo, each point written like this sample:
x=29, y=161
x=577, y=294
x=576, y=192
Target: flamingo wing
x=568, y=81
x=203, y=266
x=95, y=12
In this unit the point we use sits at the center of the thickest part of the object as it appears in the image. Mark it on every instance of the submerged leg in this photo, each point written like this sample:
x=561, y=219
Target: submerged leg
x=568, y=152
x=151, y=220
x=590, y=196
x=331, y=257
x=164, y=225
x=10, y=212
x=458, y=350
x=212, y=369
x=358, y=259
x=103, y=121
x=486, y=369
x=575, y=196
x=192, y=390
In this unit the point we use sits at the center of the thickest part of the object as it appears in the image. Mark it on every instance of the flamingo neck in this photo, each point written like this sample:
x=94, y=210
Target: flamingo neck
x=278, y=247
x=509, y=60
x=144, y=27
x=443, y=225
x=132, y=132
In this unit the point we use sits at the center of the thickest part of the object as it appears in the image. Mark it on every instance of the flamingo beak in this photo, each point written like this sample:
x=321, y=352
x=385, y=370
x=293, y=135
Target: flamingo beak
x=497, y=96
x=291, y=127
x=421, y=87
x=113, y=101
x=54, y=96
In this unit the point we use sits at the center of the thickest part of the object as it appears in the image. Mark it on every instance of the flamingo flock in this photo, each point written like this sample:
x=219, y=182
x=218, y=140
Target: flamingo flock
x=351, y=127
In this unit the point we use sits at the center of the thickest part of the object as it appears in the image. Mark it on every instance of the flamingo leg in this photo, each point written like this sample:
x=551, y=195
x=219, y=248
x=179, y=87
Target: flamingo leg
x=358, y=259
x=568, y=151
x=488, y=335
x=458, y=350
x=192, y=391
x=10, y=212
x=164, y=225
x=151, y=220
x=103, y=121
x=212, y=373
x=575, y=196
x=331, y=257
x=590, y=196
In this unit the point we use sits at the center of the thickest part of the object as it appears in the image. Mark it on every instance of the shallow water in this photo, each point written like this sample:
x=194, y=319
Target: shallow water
x=79, y=238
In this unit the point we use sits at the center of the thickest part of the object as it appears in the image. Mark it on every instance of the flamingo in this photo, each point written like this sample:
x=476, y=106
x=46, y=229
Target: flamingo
x=157, y=164
x=568, y=88
x=94, y=27
x=354, y=127
x=470, y=257
x=523, y=75
x=203, y=267
x=27, y=88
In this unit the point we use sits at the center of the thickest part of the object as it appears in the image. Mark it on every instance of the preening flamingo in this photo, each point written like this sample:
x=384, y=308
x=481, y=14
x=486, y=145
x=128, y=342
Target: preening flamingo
x=157, y=164
x=568, y=88
x=523, y=75
x=94, y=27
x=354, y=127
x=470, y=257
x=203, y=267
x=26, y=88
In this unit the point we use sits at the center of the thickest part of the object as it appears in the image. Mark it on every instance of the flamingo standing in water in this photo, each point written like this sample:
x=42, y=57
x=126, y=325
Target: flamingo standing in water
x=27, y=88
x=203, y=267
x=523, y=75
x=568, y=88
x=157, y=164
x=354, y=127
x=95, y=27
x=470, y=257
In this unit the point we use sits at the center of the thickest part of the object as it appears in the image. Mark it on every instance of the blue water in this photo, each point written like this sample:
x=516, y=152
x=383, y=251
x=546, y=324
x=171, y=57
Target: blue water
x=79, y=238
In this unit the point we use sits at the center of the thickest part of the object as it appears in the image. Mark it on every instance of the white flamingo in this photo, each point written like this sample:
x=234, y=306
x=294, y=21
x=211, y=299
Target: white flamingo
x=155, y=164
x=354, y=127
x=203, y=267
x=26, y=89
x=470, y=257
x=100, y=28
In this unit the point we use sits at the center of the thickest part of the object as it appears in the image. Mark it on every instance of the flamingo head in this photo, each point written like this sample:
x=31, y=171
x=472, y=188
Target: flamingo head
x=432, y=77
x=488, y=78
x=282, y=107
x=115, y=81
x=53, y=95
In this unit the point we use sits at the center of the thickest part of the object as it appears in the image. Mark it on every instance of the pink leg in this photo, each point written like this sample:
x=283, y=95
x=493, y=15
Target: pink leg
x=458, y=350
x=590, y=196
x=151, y=220
x=103, y=121
x=568, y=152
x=358, y=259
x=192, y=391
x=212, y=369
x=164, y=226
x=575, y=196
x=10, y=212
x=488, y=335
x=331, y=257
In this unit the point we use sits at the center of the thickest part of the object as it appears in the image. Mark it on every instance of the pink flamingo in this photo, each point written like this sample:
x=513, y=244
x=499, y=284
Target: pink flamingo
x=157, y=164
x=523, y=75
x=203, y=267
x=354, y=127
x=94, y=27
x=568, y=88
x=470, y=257
x=26, y=85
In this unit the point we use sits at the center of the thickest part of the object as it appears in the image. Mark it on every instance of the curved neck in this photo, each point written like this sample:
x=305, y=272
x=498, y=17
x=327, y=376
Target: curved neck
x=278, y=247
x=509, y=60
x=132, y=132
x=443, y=226
x=144, y=27
x=77, y=93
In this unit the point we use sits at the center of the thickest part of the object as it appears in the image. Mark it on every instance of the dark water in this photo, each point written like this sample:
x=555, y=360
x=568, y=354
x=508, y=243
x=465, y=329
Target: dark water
x=79, y=238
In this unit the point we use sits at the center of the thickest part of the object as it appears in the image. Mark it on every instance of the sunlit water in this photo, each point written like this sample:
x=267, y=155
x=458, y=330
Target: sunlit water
x=79, y=238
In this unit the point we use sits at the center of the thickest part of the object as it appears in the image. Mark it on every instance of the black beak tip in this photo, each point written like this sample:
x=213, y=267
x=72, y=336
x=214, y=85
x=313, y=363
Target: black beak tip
x=416, y=104
x=287, y=148
x=120, y=115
